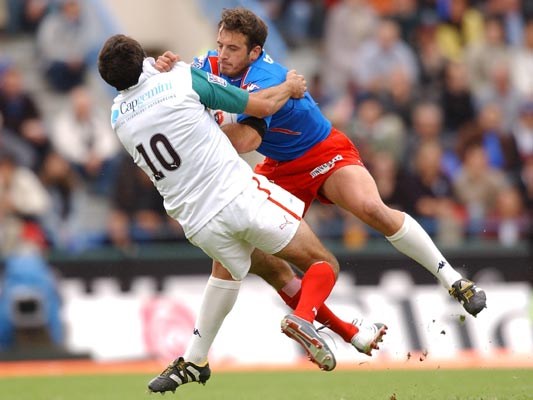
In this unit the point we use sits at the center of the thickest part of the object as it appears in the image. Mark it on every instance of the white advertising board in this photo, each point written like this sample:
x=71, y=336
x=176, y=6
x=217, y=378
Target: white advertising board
x=143, y=323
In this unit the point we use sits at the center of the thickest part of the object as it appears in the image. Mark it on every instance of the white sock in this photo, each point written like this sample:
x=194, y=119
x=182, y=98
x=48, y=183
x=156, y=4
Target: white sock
x=413, y=241
x=219, y=297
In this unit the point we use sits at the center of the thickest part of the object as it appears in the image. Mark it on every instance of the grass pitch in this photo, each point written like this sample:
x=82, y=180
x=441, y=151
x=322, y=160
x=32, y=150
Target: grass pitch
x=479, y=384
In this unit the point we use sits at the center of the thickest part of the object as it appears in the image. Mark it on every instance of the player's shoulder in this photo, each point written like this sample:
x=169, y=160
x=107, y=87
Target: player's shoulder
x=265, y=68
x=206, y=61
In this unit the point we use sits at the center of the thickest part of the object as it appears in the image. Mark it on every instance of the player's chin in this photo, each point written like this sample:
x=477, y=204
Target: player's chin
x=225, y=69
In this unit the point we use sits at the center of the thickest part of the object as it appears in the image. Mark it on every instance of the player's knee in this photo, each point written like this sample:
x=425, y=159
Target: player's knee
x=374, y=209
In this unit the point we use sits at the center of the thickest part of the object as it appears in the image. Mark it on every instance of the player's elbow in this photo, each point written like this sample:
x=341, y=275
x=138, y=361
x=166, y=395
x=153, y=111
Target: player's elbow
x=267, y=108
x=248, y=143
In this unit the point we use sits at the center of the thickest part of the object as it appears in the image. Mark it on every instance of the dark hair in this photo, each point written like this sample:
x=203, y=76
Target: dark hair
x=120, y=61
x=244, y=21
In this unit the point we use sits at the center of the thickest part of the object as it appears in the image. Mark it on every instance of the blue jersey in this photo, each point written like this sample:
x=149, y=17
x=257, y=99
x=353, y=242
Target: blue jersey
x=291, y=131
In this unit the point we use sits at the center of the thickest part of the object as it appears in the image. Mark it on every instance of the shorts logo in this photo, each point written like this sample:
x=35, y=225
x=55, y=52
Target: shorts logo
x=324, y=168
x=287, y=222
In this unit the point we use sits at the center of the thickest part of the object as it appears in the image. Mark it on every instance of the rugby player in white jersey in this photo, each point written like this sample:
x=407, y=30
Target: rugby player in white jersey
x=223, y=207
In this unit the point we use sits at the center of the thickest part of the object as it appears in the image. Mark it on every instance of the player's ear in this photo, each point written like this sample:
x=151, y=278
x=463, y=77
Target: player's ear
x=255, y=53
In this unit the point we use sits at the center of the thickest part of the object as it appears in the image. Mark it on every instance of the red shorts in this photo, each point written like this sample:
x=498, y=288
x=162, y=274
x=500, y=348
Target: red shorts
x=305, y=175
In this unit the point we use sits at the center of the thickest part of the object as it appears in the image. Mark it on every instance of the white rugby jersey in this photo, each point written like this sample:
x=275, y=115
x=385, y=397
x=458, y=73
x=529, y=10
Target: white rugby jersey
x=163, y=124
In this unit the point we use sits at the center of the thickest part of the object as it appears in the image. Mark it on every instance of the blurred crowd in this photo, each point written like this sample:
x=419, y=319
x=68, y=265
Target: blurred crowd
x=437, y=95
x=55, y=168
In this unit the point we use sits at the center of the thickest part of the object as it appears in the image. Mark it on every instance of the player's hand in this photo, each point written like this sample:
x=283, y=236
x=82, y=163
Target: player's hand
x=166, y=61
x=297, y=84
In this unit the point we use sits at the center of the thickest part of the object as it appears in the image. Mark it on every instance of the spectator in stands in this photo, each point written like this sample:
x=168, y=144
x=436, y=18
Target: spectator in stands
x=14, y=145
x=26, y=15
x=523, y=131
x=477, y=185
x=526, y=184
x=348, y=24
x=457, y=100
x=407, y=15
x=400, y=96
x=137, y=213
x=382, y=55
x=430, y=59
x=499, y=90
x=508, y=222
x=64, y=42
x=522, y=63
x=482, y=55
x=63, y=222
x=428, y=126
x=461, y=25
x=376, y=130
x=499, y=145
x=23, y=202
x=427, y=192
x=513, y=13
x=22, y=116
x=298, y=21
x=83, y=136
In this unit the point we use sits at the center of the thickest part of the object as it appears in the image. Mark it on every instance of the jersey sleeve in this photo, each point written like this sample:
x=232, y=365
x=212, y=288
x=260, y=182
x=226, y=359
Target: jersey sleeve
x=217, y=94
x=258, y=81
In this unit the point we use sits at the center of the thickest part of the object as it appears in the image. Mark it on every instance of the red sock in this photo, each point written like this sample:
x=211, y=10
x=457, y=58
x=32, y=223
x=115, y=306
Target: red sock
x=325, y=316
x=317, y=284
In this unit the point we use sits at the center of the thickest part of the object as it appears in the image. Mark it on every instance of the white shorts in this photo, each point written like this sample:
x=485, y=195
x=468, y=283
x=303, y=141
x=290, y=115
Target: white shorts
x=263, y=216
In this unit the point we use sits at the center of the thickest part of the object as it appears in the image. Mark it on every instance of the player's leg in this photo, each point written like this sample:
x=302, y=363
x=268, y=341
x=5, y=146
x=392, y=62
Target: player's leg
x=353, y=188
x=280, y=276
x=304, y=251
x=218, y=299
x=320, y=272
x=278, y=229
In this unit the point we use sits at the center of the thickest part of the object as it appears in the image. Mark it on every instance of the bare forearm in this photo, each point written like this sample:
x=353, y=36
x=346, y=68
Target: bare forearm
x=276, y=96
x=242, y=137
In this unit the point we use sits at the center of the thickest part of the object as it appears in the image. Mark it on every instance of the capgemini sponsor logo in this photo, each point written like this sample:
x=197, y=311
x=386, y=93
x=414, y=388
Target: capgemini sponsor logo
x=138, y=102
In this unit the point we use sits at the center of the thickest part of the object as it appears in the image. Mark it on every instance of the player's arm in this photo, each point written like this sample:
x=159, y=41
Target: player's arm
x=294, y=86
x=261, y=104
x=216, y=93
x=246, y=135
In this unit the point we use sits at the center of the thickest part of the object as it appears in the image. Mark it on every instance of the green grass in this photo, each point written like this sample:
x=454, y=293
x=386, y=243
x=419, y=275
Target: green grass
x=476, y=384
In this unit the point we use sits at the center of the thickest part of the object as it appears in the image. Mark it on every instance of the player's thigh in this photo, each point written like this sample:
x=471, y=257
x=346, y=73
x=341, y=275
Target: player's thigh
x=354, y=189
x=273, y=220
x=305, y=249
x=350, y=187
x=220, y=244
